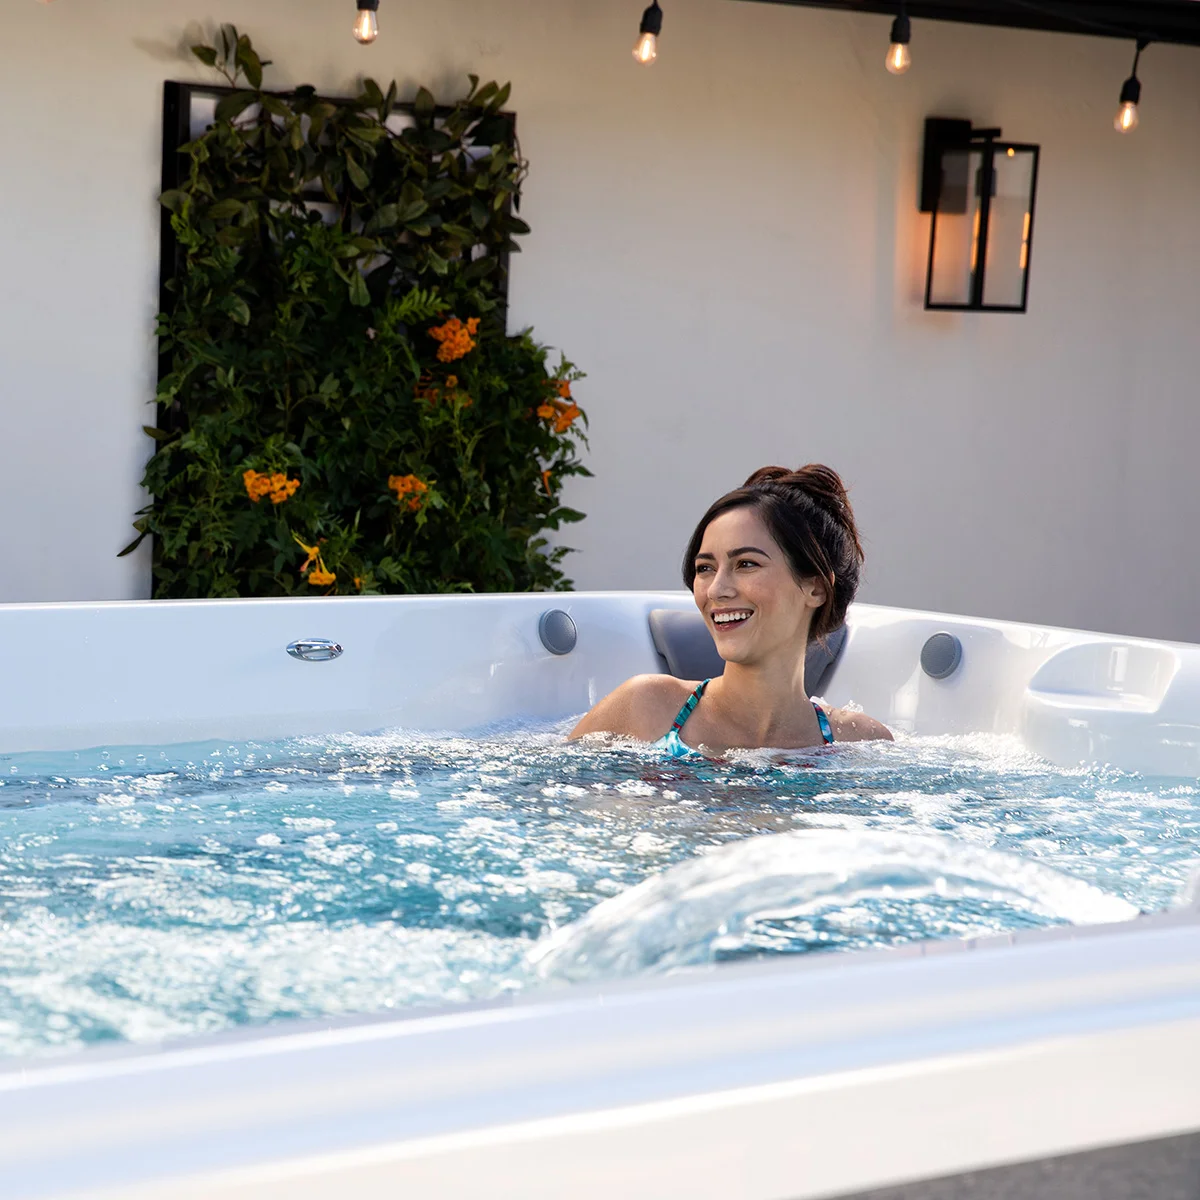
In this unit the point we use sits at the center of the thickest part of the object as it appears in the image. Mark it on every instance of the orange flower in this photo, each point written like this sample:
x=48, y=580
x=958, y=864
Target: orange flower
x=564, y=388
x=566, y=416
x=257, y=486
x=358, y=582
x=547, y=411
x=313, y=552
x=410, y=486
x=321, y=577
x=455, y=338
x=284, y=492
x=546, y=480
x=452, y=381
x=278, y=486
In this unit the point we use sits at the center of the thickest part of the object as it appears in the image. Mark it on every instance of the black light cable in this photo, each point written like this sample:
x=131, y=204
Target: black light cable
x=899, y=58
x=646, y=50
x=366, y=25
x=1126, y=120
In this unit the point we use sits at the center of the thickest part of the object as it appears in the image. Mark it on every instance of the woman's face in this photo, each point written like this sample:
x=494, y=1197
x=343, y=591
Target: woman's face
x=745, y=588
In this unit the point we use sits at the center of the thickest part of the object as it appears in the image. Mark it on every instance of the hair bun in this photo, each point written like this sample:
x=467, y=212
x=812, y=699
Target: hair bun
x=767, y=475
x=822, y=484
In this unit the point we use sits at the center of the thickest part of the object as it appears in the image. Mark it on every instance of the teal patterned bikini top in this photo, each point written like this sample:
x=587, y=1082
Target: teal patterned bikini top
x=672, y=744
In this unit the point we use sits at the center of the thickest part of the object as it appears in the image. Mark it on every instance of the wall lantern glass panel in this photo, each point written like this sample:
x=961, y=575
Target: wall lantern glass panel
x=980, y=191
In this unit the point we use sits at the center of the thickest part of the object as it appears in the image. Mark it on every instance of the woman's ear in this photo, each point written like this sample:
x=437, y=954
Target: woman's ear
x=815, y=591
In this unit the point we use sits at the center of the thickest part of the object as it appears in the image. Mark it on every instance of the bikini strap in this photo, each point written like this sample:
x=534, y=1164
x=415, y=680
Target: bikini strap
x=689, y=706
x=823, y=721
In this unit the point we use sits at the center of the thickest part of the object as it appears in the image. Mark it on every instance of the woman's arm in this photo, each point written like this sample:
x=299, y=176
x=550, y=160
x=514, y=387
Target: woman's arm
x=642, y=707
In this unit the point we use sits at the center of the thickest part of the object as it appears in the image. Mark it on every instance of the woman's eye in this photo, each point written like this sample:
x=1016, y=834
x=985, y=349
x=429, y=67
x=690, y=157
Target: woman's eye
x=702, y=568
x=747, y=562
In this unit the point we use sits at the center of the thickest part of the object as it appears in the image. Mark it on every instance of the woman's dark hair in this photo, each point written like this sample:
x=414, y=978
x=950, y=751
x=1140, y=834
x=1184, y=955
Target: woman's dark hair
x=808, y=515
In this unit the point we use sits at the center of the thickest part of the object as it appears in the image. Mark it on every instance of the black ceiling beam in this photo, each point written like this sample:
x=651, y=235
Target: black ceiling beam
x=1176, y=21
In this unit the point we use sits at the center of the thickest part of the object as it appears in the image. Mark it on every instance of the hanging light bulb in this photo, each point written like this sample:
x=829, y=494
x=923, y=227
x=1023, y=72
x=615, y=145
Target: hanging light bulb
x=646, y=50
x=366, y=26
x=899, y=59
x=1126, y=120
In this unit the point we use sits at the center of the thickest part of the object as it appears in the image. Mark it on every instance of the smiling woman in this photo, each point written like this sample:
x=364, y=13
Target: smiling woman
x=772, y=566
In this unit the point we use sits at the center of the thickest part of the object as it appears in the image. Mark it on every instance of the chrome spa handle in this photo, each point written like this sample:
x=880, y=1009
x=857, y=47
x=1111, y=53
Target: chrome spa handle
x=314, y=649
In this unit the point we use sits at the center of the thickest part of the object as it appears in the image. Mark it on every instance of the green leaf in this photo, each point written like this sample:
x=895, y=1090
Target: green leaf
x=387, y=216
x=424, y=103
x=358, y=176
x=359, y=296
x=137, y=541
x=159, y=435
x=229, y=108
x=173, y=199
x=237, y=309
x=208, y=56
x=249, y=61
x=224, y=209
x=373, y=93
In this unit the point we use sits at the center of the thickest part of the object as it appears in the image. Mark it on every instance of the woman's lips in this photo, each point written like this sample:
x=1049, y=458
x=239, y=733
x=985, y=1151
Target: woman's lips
x=733, y=618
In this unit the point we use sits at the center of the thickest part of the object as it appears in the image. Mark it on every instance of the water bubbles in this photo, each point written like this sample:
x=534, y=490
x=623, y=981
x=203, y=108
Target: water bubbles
x=361, y=873
x=767, y=892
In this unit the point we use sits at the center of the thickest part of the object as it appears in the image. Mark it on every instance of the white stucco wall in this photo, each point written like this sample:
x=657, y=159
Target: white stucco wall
x=727, y=242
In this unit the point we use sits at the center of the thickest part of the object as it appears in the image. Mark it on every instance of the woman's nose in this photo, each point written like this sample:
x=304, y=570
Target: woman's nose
x=724, y=584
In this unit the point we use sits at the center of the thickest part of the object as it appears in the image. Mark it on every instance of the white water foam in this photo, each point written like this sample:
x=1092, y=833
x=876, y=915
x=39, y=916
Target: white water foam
x=687, y=914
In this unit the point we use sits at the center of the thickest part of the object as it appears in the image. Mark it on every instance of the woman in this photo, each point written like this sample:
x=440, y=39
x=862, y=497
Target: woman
x=772, y=566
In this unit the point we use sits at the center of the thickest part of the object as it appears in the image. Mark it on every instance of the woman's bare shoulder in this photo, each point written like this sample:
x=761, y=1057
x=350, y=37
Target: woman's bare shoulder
x=642, y=707
x=850, y=725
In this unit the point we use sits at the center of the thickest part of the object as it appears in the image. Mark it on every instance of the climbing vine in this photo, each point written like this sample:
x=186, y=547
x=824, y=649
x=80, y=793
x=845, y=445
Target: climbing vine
x=341, y=409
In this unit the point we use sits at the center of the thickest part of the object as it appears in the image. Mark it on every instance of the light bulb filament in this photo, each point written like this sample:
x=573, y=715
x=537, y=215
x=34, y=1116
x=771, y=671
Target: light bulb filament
x=646, y=50
x=899, y=58
x=366, y=26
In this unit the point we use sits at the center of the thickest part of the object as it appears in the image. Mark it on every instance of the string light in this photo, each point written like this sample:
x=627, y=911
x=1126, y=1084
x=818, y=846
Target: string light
x=366, y=26
x=646, y=50
x=1126, y=120
x=899, y=58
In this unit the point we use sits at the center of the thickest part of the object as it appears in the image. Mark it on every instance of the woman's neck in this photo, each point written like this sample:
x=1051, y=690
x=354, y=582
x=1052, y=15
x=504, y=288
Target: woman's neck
x=767, y=702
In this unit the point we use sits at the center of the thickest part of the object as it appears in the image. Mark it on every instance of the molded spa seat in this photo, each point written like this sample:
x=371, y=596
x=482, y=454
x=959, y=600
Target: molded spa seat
x=1109, y=701
x=1132, y=676
x=687, y=649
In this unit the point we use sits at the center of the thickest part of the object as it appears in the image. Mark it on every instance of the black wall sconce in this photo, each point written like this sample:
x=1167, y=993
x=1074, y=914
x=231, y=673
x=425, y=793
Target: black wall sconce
x=980, y=191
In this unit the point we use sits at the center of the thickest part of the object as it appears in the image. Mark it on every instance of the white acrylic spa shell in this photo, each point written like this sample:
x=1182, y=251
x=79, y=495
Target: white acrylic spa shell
x=797, y=1079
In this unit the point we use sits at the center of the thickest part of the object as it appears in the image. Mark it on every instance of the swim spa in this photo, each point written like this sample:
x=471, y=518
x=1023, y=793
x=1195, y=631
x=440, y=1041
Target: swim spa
x=237, y=820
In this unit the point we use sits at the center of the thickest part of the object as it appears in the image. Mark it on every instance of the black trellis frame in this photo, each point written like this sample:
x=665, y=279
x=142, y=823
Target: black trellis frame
x=178, y=104
x=988, y=141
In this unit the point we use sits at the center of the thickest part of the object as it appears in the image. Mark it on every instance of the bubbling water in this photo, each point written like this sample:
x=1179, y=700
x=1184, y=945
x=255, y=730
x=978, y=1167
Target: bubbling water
x=769, y=891
x=151, y=892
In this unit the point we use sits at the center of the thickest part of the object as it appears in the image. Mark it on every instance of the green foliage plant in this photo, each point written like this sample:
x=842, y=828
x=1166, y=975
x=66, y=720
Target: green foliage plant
x=342, y=410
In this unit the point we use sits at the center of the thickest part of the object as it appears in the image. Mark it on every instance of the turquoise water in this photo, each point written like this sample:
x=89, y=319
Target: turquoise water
x=152, y=893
